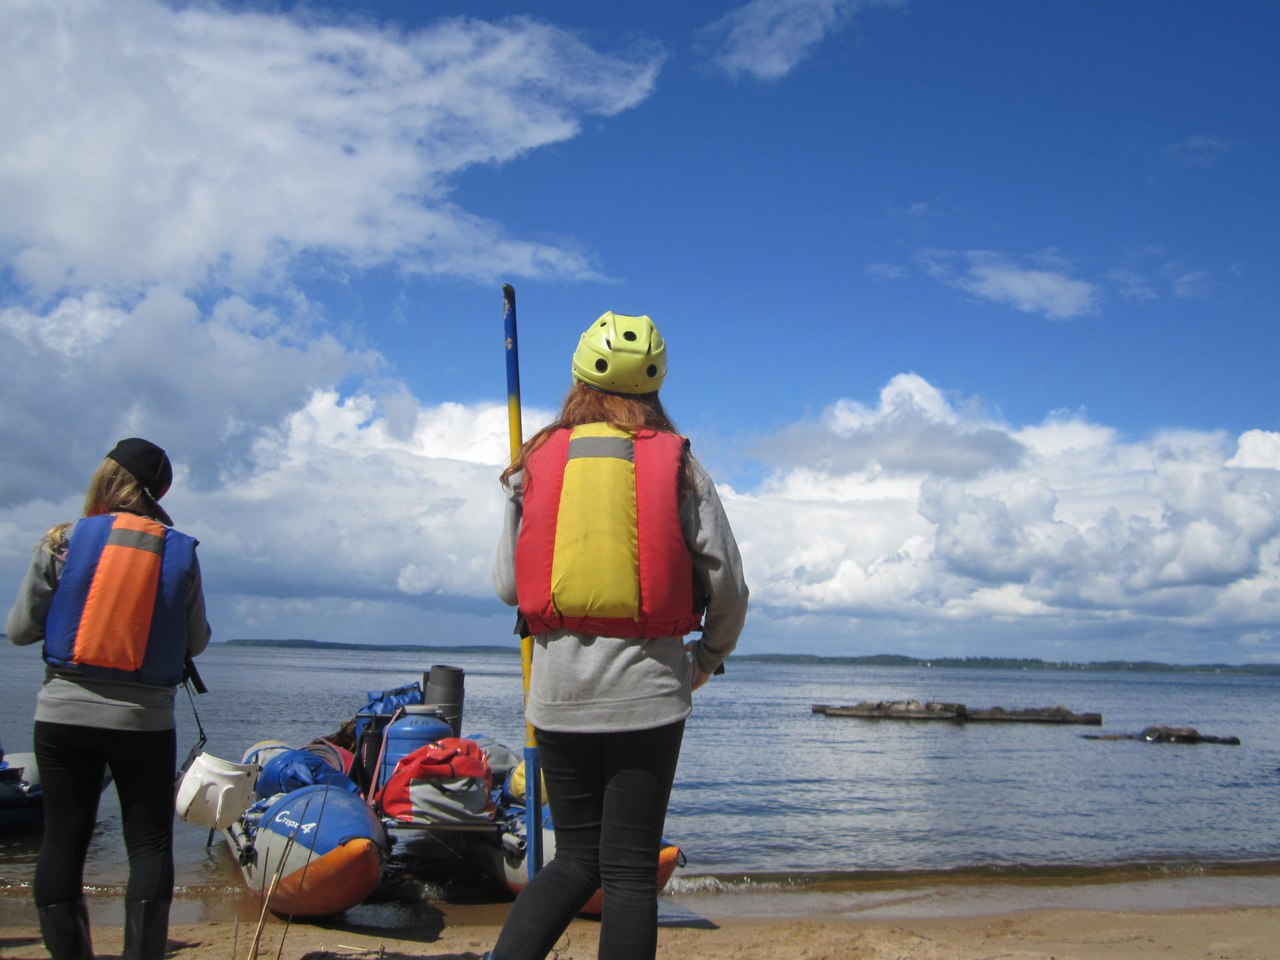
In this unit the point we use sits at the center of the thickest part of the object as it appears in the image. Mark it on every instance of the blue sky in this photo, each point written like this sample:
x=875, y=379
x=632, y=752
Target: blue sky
x=970, y=307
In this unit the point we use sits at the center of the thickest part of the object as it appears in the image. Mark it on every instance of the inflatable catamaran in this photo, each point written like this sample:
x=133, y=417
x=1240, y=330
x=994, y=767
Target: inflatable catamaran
x=327, y=822
x=21, y=799
x=21, y=794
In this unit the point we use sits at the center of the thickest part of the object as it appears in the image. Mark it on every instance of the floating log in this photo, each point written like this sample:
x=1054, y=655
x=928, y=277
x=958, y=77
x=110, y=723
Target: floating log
x=1163, y=734
x=1032, y=715
x=955, y=712
x=896, y=710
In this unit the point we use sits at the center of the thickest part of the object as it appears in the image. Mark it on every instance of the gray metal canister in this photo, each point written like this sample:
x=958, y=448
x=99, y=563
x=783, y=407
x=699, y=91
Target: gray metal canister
x=443, y=690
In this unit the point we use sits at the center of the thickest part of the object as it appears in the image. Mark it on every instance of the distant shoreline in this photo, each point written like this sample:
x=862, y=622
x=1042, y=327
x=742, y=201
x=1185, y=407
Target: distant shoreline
x=874, y=660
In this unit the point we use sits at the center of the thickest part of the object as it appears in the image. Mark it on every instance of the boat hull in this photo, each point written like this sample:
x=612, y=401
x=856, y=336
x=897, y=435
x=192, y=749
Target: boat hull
x=21, y=800
x=21, y=795
x=312, y=852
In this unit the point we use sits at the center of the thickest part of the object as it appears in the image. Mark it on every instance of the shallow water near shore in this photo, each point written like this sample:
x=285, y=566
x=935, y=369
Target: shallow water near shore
x=899, y=895
x=899, y=898
x=772, y=799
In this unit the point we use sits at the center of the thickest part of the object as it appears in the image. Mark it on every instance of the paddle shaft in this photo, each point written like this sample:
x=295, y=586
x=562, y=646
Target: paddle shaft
x=532, y=768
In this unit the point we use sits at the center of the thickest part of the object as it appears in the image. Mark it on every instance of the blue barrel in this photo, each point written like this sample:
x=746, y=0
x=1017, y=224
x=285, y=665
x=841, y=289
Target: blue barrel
x=416, y=727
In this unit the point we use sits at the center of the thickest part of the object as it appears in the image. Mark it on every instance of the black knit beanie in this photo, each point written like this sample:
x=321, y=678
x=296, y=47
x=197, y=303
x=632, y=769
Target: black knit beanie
x=148, y=463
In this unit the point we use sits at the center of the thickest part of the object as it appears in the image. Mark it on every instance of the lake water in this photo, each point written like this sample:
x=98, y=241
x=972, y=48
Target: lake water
x=768, y=792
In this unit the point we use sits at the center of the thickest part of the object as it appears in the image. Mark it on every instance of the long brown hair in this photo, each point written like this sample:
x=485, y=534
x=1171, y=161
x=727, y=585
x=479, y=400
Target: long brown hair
x=585, y=404
x=112, y=489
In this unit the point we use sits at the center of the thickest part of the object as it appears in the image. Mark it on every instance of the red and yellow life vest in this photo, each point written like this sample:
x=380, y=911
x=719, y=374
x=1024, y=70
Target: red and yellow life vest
x=119, y=610
x=601, y=550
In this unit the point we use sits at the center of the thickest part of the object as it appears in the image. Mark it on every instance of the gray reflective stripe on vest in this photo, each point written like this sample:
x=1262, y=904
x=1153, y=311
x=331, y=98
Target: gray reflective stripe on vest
x=617, y=448
x=138, y=539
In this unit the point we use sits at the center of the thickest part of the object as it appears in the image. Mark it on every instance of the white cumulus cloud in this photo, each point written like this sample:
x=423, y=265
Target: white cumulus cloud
x=924, y=518
x=153, y=144
x=1031, y=287
x=171, y=171
x=364, y=516
x=1257, y=448
x=767, y=39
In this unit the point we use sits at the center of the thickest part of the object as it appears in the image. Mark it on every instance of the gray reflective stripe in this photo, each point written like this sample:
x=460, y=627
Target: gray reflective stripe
x=618, y=448
x=138, y=539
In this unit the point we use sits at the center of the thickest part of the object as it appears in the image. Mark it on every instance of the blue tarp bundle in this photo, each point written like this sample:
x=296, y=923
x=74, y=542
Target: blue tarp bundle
x=386, y=702
x=291, y=769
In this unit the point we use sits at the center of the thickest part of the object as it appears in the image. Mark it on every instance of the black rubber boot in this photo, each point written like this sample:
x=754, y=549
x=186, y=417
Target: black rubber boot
x=146, y=929
x=65, y=928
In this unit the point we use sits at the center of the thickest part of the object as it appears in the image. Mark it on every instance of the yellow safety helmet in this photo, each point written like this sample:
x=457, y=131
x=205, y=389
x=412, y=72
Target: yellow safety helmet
x=621, y=354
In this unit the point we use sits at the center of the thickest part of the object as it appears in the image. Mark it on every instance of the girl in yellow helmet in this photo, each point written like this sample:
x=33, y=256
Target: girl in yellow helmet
x=615, y=546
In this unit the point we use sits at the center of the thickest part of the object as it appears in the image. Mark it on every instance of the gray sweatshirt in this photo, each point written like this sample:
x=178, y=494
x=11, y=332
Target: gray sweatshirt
x=69, y=698
x=585, y=683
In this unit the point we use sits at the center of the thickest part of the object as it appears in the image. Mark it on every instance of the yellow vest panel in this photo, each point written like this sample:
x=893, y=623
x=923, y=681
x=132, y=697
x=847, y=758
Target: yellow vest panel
x=596, y=530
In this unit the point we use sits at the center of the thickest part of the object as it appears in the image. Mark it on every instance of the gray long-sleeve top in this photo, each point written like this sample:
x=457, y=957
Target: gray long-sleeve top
x=66, y=697
x=582, y=682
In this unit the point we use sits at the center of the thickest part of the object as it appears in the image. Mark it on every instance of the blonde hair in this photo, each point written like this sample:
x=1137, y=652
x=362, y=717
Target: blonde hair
x=585, y=404
x=112, y=489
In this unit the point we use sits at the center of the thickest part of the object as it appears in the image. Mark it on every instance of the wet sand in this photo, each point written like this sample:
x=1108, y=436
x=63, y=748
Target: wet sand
x=1235, y=918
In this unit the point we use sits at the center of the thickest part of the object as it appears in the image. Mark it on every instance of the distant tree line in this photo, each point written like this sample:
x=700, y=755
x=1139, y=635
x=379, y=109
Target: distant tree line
x=874, y=660
x=1015, y=663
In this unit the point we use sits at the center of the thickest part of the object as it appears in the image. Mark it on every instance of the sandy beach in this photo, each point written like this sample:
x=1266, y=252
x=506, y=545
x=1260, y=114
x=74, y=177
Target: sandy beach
x=1223, y=934
x=1249, y=934
x=931, y=924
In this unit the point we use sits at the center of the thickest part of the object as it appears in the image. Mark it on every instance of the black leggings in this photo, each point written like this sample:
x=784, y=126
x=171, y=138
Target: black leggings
x=608, y=795
x=72, y=761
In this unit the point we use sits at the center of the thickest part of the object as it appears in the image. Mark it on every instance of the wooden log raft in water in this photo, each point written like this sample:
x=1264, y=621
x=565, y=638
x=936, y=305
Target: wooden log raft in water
x=896, y=710
x=955, y=712
x=1163, y=734
x=1057, y=714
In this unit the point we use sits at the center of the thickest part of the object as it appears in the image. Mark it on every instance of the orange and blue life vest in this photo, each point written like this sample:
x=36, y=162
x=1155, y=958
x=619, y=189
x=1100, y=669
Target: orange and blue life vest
x=119, y=611
x=601, y=549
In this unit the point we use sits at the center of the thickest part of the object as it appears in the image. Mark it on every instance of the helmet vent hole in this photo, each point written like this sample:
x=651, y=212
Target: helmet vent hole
x=602, y=365
x=629, y=335
x=652, y=370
